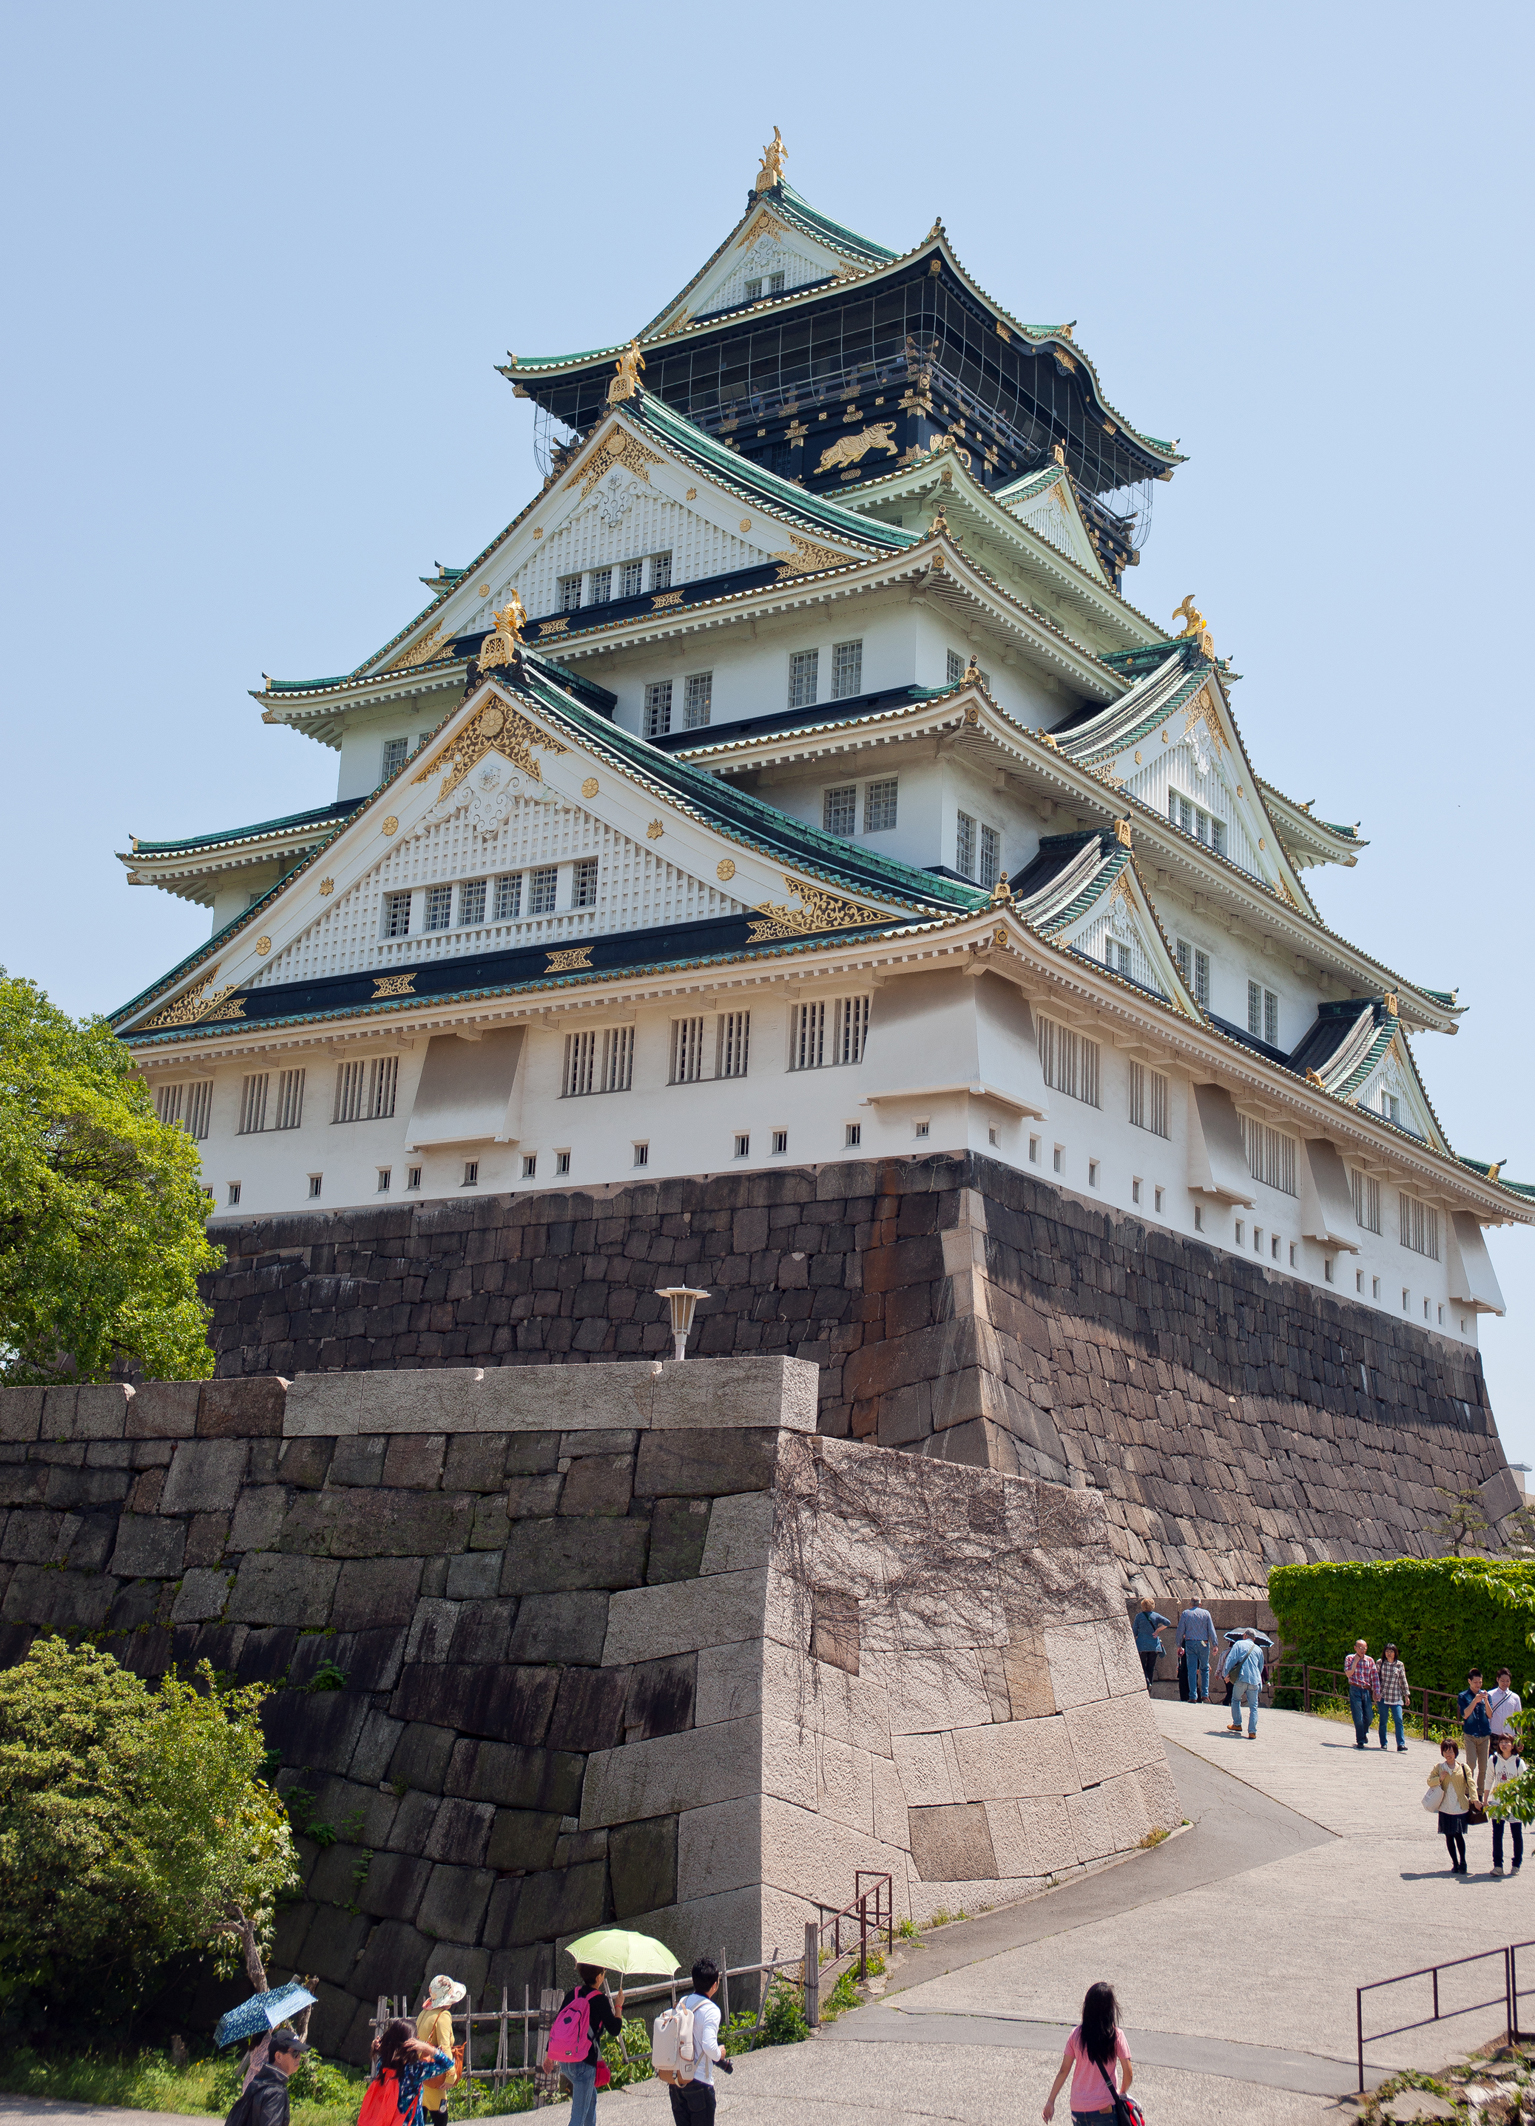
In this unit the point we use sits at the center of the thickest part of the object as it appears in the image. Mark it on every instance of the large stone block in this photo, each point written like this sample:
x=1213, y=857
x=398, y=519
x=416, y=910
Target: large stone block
x=398, y=1524
x=241, y=1409
x=642, y=1864
x=704, y=1464
x=728, y=1683
x=562, y=1901
x=589, y=1710
x=545, y=1556
x=163, y=1409
x=86, y=1413
x=272, y=1589
x=507, y=1704
x=718, y=1847
x=205, y=1476
x=395, y=1958
x=1024, y=1757
x=671, y=1773
x=522, y=1840
x=333, y=1943
x=560, y=1627
x=678, y=1531
x=660, y=1697
x=952, y=1844
x=21, y=1415
x=148, y=1548
x=548, y=1781
x=1076, y=1665
x=395, y=1885
x=598, y=1483
x=740, y=1533
x=422, y=1756
x=315, y=1729
x=68, y=1601
x=648, y=1623
x=454, y=1902
x=258, y=1519
x=374, y=1592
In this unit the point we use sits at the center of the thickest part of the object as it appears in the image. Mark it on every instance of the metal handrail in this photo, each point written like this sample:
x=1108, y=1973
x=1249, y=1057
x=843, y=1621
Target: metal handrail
x=1510, y=2001
x=1339, y=1677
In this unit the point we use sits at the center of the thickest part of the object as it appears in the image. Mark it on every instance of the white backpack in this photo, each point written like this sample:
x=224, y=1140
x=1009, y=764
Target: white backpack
x=673, y=2054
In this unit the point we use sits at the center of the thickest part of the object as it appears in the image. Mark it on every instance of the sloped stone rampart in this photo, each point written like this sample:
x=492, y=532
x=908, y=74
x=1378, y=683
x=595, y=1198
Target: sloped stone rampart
x=628, y=1642
x=1232, y=1416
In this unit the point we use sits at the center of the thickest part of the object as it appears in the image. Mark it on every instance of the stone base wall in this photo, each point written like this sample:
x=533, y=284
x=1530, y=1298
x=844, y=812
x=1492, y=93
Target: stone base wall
x=624, y=1643
x=1233, y=1417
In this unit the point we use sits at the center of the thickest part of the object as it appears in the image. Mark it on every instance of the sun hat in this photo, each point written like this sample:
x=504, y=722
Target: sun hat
x=445, y=1992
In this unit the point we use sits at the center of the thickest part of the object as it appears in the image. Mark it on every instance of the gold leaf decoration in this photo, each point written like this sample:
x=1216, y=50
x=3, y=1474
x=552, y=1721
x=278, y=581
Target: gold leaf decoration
x=199, y=1002
x=498, y=728
x=263, y=946
x=623, y=449
x=655, y=830
x=502, y=644
x=847, y=450
x=431, y=645
x=394, y=985
x=391, y=822
x=568, y=958
x=725, y=869
x=804, y=557
x=589, y=787
x=327, y=885
x=818, y=910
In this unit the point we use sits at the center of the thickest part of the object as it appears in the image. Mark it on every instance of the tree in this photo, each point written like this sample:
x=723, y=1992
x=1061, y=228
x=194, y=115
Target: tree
x=1463, y=1524
x=133, y=1826
x=101, y=1208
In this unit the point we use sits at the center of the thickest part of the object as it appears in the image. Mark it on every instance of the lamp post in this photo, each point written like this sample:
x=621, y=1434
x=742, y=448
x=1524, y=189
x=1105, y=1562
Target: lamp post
x=684, y=1300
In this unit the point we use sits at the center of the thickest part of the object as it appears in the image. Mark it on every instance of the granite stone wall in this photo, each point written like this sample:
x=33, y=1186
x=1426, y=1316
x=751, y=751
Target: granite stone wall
x=1232, y=1416
x=627, y=1642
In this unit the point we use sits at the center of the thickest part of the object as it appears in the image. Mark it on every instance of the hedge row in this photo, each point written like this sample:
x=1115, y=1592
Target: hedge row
x=1445, y=1615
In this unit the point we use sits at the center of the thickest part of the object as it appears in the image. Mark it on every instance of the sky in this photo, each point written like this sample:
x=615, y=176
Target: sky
x=260, y=264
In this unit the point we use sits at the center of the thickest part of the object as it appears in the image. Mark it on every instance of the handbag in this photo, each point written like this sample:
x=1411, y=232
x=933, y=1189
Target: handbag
x=1475, y=1814
x=455, y=2073
x=1126, y=2111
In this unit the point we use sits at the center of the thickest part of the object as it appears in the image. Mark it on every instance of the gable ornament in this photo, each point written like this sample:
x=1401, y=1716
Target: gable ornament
x=504, y=643
x=774, y=156
x=805, y=558
x=619, y=449
x=818, y=910
x=498, y=728
x=627, y=382
x=199, y=1002
x=1194, y=625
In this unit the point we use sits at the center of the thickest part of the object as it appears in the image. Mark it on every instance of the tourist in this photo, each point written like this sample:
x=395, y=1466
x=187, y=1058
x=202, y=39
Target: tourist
x=1363, y=1682
x=434, y=2027
x=1091, y=2052
x=404, y=2059
x=1149, y=1624
x=264, y=2100
x=1476, y=1727
x=1506, y=1764
x=1504, y=1704
x=1244, y=1665
x=1196, y=1636
x=604, y=2018
x=1391, y=1686
x=693, y=2100
x=1454, y=1803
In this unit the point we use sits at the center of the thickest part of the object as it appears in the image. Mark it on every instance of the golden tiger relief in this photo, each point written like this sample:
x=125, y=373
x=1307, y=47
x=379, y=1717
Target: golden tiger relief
x=847, y=450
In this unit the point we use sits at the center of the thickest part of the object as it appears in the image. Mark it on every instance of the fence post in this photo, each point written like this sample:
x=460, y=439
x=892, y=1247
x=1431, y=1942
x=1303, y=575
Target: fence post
x=1359, y=2031
x=1306, y=1704
x=812, y=1974
x=724, y=1991
x=863, y=1937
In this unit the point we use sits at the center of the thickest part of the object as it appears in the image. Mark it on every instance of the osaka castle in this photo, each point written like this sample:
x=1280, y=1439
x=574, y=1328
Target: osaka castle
x=795, y=781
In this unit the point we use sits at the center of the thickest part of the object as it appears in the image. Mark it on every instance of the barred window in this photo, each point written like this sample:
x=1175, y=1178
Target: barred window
x=1071, y=1063
x=290, y=1099
x=658, y=708
x=1193, y=819
x=633, y=578
x=1270, y=1156
x=570, y=593
x=687, y=1065
x=471, y=901
x=661, y=571
x=168, y=1102
x=991, y=856
x=775, y=284
x=439, y=907
x=964, y=846
x=807, y=1036
x=365, y=1090
x=804, y=667
x=955, y=669
x=583, y=883
x=1420, y=1226
x=601, y=1061
x=697, y=700
x=509, y=897
x=1194, y=966
x=396, y=753
x=253, y=1104
x=1366, y=1199
x=846, y=670
x=1391, y=1107
x=1148, y=1099
x=1263, y=1013
x=821, y=1034
x=839, y=809
x=396, y=915
x=754, y=290
x=1117, y=956
x=190, y=1104
x=602, y=586
x=733, y=1043
x=850, y=1029
x=543, y=887
x=879, y=804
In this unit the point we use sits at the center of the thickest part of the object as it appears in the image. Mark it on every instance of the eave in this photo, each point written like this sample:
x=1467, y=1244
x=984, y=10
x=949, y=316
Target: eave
x=1310, y=841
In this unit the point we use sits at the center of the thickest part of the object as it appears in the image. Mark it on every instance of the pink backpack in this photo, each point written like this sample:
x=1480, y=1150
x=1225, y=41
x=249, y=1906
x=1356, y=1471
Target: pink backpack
x=570, y=2038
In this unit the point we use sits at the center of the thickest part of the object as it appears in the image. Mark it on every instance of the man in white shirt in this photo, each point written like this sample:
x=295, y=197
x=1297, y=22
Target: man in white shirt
x=693, y=2100
x=1502, y=1704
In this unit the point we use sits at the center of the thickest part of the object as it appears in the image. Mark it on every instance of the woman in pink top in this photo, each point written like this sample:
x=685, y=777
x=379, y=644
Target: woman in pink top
x=1092, y=2052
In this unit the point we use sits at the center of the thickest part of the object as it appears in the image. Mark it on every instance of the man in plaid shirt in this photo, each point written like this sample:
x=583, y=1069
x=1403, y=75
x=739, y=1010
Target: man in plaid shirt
x=1391, y=1688
x=1363, y=1683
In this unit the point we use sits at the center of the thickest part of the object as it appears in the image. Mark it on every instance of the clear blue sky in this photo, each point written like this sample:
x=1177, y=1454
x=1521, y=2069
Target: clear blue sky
x=259, y=263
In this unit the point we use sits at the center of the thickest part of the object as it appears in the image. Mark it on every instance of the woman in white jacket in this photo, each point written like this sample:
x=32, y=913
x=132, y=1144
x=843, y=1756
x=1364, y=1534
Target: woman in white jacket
x=1506, y=1764
x=1454, y=1803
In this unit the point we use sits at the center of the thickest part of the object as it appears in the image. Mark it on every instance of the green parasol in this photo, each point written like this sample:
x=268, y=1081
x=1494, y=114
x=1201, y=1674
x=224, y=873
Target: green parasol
x=616, y=1949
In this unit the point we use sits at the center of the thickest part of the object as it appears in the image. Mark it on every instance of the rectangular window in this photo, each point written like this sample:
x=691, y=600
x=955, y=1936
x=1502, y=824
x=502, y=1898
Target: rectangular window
x=530, y=1166
x=879, y=801
x=780, y=1140
x=471, y=901
x=633, y=579
x=543, y=887
x=1263, y=1013
x=602, y=587
x=189, y=1104
x=439, y=907
x=743, y=1145
x=991, y=858
x=955, y=669
x=658, y=708
x=384, y=1178
x=846, y=670
x=413, y=1177
x=775, y=284
x=754, y=290
x=316, y=1182
x=1116, y=956
x=807, y=1036
x=253, y=1104
x=570, y=594
x=1391, y=1107
x=396, y=915
x=509, y=897
x=851, y=1030
x=687, y=1062
x=290, y=1099
x=733, y=1042
x=396, y=753
x=583, y=883
x=964, y=846
x=1270, y=1156
x=1071, y=1063
x=839, y=809
x=1202, y=980
x=1148, y=1099
x=365, y=1091
x=562, y=1162
x=809, y=1045
x=852, y=1134
x=1218, y=836
x=697, y=700
x=471, y=1173
x=1366, y=1200
x=642, y=1154
x=234, y=1194
x=1420, y=1226
x=661, y=571
x=598, y=1062
x=803, y=668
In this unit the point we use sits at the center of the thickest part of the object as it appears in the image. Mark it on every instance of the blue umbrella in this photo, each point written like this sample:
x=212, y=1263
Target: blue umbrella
x=262, y=2012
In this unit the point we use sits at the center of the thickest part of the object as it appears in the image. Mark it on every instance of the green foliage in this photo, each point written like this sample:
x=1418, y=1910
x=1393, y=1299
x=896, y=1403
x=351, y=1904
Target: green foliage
x=1462, y=1525
x=101, y=1208
x=628, y=2055
x=322, y=2093
x=1445, y=1615
x=327, y=1677
x=783, y=2024
x=133, y=1828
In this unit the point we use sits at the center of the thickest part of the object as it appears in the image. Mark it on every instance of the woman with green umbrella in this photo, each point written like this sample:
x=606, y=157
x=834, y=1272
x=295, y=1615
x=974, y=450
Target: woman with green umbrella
x=584, y=2018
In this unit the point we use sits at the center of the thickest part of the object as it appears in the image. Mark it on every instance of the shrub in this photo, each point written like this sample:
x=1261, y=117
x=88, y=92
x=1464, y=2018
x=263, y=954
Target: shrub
x=1446, y=1615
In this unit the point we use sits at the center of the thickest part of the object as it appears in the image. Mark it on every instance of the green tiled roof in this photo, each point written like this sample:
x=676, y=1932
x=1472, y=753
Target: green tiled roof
x=327, y=816
x=804, y=216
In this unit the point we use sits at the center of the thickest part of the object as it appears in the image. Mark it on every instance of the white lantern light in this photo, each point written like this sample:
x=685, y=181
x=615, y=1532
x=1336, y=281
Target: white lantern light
x=684, y=1300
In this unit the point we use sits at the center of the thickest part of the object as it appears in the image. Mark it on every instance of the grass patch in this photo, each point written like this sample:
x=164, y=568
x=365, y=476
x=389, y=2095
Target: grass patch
x=322, y=2092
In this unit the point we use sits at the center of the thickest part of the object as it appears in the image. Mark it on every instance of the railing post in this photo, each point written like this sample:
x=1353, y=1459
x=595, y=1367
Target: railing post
x=812, y=1974
x=1359, y=2031
x=1306, y=1704
x=1436, y=1993
x=863, y=1937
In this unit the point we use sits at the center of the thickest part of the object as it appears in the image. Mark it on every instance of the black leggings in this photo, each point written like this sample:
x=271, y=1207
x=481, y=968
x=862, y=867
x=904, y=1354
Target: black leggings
x=1456, y=1841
